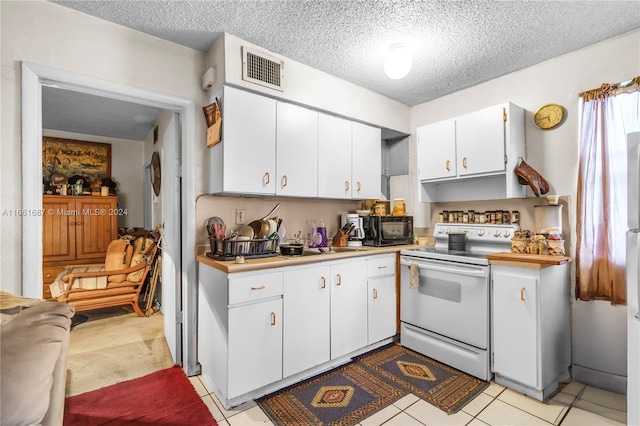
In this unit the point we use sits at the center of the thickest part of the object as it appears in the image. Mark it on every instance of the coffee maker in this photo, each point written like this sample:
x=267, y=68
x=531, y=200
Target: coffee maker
x=357, y=234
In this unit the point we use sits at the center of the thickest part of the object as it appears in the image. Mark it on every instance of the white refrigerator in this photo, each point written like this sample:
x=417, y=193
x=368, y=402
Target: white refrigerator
x=633, y=279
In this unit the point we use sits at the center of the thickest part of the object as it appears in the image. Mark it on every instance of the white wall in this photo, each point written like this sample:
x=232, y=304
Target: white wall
x=599, y=339
x=311, y=87
x=45, y=33
x=126, y=170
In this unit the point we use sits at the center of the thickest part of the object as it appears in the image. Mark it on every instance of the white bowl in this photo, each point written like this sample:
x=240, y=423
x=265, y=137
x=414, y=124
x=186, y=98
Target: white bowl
x=363, y=212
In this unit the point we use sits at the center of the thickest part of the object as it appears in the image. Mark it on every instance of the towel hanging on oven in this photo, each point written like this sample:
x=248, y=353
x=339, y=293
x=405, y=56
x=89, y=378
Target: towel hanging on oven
x=414, y=275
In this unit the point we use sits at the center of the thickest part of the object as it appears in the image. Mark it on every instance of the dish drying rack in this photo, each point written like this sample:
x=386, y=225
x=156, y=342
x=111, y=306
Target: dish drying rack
x=228, y=249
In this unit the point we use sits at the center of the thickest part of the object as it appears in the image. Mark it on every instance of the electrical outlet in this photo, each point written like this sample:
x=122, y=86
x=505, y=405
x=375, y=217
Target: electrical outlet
x=240, y=216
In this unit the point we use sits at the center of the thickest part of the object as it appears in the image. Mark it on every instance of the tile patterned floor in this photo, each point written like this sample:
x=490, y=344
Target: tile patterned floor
x=117, y=336
x=575, y=405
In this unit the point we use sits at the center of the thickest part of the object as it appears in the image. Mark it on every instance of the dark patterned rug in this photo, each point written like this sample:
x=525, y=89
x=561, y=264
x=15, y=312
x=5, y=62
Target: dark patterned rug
x=350, y=393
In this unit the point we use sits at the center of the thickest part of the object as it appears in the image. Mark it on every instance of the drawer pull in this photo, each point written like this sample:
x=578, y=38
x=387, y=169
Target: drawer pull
x=339, y=277
x=273, y=318
x=324, y=282
x=258, y=288
x=375, y=293
x=382, y=267
x=522, y=294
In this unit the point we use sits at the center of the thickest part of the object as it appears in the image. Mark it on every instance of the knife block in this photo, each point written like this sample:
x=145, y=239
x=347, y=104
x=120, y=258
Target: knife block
x=340, y=239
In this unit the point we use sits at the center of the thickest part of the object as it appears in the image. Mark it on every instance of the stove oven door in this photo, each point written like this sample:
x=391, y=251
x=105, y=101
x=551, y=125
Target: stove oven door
x=451, y=299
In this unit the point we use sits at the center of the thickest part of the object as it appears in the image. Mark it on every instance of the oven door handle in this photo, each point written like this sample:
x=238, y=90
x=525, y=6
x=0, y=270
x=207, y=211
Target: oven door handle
x=474, y=272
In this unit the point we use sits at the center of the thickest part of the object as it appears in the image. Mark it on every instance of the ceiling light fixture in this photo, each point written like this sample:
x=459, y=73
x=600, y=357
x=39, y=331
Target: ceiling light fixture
x=397, y=63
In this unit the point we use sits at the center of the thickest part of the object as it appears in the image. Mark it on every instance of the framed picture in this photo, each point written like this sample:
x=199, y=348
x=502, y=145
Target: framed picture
x=91, y=160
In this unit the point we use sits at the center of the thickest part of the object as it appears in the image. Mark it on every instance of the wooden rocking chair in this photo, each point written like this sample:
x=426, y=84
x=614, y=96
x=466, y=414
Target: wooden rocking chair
x=103, y=285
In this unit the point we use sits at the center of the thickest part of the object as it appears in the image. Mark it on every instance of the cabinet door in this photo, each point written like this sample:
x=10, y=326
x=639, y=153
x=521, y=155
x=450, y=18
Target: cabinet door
x=249, y=142
x=334, y=157
x=96, y=227
x=297, y=151
x=366, y=162
x=381, y=308
x=515, y=337
x=348, y=307
x=480, y=139
x=437, y=150
x=255, y=346
x=306, y=334
x=59, y=229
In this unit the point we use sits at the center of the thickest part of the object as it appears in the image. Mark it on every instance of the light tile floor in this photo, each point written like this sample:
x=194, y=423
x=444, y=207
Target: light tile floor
x=576, y=404
x=124, y=336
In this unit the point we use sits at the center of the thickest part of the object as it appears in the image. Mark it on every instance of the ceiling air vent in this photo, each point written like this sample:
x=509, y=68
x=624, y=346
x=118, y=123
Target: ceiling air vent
x=261, y=69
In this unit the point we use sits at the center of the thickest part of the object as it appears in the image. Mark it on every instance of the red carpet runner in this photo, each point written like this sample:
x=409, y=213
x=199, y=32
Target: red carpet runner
x=163, y=398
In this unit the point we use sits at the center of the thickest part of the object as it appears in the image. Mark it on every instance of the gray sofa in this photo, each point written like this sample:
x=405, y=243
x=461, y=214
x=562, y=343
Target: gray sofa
x=34, y=346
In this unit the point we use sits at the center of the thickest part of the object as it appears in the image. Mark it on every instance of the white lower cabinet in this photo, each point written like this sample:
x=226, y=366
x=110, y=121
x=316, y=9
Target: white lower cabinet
x=262, y=330
x=348, y=307
x=382, y=297
x=255, y=346
x=531, y=327
x=306, y=323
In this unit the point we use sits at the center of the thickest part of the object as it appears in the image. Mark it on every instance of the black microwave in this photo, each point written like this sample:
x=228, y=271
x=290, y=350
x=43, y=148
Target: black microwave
x=380, y=231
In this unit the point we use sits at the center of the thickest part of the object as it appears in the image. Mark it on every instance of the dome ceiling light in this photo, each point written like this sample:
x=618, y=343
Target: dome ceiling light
x=397, y=63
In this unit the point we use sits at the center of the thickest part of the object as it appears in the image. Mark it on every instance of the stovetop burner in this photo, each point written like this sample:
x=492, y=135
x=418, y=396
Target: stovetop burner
x=481, y=240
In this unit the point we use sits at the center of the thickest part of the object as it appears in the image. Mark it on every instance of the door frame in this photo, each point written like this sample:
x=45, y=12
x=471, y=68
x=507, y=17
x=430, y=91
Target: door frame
x=34, y=76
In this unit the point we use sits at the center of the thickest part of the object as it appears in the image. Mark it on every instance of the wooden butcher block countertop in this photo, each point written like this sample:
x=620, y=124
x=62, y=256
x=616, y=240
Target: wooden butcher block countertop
x=230, y=266
x=535, y=259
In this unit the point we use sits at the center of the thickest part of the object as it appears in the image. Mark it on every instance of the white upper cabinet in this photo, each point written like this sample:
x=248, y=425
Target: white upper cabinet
x=270, y=147
x=245, y=161
x=473, y=156
x=480, y=138
x=297, y=151
x=366, y=161
x=437, y=150
x=334, y=157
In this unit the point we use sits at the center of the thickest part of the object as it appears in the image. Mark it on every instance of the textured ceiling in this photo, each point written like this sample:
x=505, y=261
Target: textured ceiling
x=455, y=44
x=70, y=111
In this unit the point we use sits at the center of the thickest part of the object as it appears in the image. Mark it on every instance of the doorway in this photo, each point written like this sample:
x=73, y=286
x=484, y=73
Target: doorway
x=179, y=235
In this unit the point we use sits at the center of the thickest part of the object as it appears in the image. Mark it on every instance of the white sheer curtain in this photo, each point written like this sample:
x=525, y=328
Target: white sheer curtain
x=606, y=116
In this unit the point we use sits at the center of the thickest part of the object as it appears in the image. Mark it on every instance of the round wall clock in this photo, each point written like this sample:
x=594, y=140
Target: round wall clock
x=548, y=116
x=155, y=172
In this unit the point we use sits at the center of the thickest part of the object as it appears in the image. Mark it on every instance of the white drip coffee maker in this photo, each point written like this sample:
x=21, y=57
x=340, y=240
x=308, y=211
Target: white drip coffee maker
x=357, y=234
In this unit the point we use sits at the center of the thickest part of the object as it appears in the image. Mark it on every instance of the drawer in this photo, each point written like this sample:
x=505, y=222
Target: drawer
x=255, y=287
x=379, y=266
x=49, y=273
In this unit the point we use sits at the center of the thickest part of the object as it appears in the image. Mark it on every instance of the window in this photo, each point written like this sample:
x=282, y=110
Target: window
x=606, y=116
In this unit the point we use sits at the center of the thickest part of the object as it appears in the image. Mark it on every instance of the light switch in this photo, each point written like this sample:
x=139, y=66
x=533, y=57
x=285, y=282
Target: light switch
x=240, y=216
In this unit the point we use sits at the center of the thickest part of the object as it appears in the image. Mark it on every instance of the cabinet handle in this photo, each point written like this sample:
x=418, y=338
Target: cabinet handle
x=273, y=318
x=72, y=223
x=346, y=185
x=339, y=282
x=258, y=288
x=464, y=162
x=284, y=181
x=522, y=294
x=375, y=293
x=382, y=267
x=268, y=176
x=78, y=223
x=446, y=165
x=324, y=282
x=359, y=186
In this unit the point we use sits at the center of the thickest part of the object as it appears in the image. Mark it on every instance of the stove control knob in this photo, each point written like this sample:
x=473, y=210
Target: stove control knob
x=440, y=231
x=507, y=234
x=497, y=233
x=480, y=232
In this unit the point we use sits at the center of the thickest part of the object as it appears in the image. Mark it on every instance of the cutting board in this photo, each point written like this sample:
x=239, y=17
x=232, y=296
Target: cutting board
x=540, y=259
